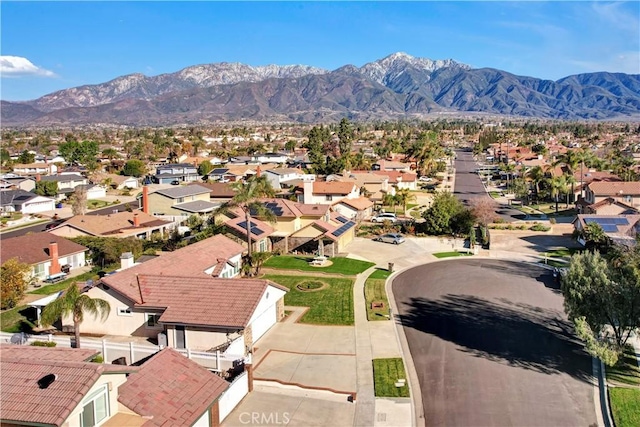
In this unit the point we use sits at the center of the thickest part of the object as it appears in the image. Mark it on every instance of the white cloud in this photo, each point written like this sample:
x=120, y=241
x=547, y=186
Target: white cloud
x=17, y=66
x=622, y=62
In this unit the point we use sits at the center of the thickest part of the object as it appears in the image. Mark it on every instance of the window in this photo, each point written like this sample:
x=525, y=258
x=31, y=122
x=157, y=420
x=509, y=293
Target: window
x=262, y=245
x=153, y=320
x=180, y=199
x=95, y=408
x=124, y=311
x=38, y=270
x=328, y=197
x=627, y=199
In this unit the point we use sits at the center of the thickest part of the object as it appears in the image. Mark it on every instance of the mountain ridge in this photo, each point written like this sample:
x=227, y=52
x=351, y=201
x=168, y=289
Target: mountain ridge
x=396, y=86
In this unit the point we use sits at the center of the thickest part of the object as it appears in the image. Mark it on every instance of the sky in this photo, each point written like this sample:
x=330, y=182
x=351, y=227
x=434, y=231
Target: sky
x=48, y=46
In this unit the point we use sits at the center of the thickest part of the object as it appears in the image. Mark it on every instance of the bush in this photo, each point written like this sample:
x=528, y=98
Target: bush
x=44, y=344
x=552, y=221
x=539, y=227
x=98, y=359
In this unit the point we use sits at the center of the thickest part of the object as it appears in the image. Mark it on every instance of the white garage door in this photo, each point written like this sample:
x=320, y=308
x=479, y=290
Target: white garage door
x=263, y=323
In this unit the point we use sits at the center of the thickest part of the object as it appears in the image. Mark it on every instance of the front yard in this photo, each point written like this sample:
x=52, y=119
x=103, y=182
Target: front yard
x=330, y=305
x=624, y=390
x=339, y=265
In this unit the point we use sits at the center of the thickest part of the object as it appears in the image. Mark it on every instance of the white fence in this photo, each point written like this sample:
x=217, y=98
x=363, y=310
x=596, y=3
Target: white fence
x=237, y=390
x=132, y=352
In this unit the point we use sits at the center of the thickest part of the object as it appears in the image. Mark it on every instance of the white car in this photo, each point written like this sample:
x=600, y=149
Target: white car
x=382, y=217
x=425, y=179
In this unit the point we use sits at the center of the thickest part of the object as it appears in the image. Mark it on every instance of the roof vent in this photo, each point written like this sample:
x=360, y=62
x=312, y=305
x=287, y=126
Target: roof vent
x=47, y=380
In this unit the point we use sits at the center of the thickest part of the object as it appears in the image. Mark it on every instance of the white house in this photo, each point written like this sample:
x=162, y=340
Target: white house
x=25, y=202
x=328, y=193
x=282, y=176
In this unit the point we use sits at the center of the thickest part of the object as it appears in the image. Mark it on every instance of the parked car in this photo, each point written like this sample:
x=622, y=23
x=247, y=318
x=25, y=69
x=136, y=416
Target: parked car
x=175, y=182
x=394, y=238
x=381, y=217
x=425, y=179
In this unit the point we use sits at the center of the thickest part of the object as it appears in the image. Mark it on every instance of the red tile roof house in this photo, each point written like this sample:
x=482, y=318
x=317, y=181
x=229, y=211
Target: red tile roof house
x=167, y=390
x=46, y=253
x=627, y=193
x=182, y=296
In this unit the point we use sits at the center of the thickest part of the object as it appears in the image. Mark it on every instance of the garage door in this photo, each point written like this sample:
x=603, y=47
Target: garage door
x=263, y=323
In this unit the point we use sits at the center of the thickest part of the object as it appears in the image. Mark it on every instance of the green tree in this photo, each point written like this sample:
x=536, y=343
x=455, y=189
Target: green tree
x=247, y=198
x=14, y=280
x=557, y=186
x=111, y=153
x=135, y=168
x=5, y=156
x=290, y=145
x=26, y=158
x=602, y=298
x=441, y=213
x=345, y=136
x=595, y=237
x=79, y=152
x=75, y=303
x=46, y=188
x=405, y=196
x=204, y=168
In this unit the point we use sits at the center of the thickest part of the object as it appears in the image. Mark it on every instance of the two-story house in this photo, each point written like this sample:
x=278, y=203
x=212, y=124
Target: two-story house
x=33, y=169
x=625, y=193
x=324, y=192
x=181, y=172
x=285, y=177
x=178, y=201
x=400, y=179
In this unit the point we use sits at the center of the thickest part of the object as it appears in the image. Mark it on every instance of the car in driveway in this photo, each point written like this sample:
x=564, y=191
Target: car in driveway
x=425, y=179
x=382, y=217
x=395, y=238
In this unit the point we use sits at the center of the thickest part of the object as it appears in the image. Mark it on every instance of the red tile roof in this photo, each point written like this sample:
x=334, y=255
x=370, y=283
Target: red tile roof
x=19, y=352
x=397, y=176
x=334, y=187
x=612, y=188
x=171, y=389
x=228, y=303
x=266, y=229
x=191, y=260
x=361, y=203
x=23, y=401
x=34, y=248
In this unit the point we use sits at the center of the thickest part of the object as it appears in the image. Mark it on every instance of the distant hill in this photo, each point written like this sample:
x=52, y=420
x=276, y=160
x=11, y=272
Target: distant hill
x=393, y=87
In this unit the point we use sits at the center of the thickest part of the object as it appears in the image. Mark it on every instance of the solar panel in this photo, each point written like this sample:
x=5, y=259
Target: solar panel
x=342, y=219
x=340, y=231
x=608, y=221
x=620, y=221
x=254, y=229
x=609, y=228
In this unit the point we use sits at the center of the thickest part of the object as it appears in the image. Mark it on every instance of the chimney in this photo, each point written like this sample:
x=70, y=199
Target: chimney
x=308, y=192
x=54, y=268
x=136, y=220
x=258, y=171
x=126, y=260
x=38, y=178
x=145, y=199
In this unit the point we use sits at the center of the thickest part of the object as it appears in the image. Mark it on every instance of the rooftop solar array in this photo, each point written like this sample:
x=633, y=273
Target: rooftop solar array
x=254, y=229
x=342, y=219
x=611, y=221
x=274, y=207
x=340, y=231
x=219, y=171
x=609, y=228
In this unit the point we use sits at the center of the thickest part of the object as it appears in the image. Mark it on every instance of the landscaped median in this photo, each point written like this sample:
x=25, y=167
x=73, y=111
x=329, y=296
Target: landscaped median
x=337, y=265
x=624, y=390
x=389, y=378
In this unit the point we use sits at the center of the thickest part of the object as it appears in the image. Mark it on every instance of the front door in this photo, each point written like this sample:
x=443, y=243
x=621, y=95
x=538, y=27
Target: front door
x=180, y=339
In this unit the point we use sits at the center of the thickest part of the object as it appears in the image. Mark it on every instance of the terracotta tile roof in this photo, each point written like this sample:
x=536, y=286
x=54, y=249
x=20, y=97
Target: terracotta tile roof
x=23, y=401
x=219, y=190
x=34, y=248
x=361, y=203
x=335, y=187
x=112, y=224
x=398, y=176
x=613, y=188
x=589, y=176
x=312, y=210
x=238, y=224
x=171, y=389
x=205, y=301
x=192, y=260
x=27, y=352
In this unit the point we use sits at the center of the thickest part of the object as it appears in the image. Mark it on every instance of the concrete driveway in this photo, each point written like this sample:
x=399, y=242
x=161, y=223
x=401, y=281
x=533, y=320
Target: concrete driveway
x=415, y=250
x=492, y=347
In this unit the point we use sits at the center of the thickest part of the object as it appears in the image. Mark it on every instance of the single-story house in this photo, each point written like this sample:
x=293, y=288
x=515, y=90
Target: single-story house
x=46, y=253
x=15, y=182
x=219, y=191
x=92, y=191
x=222, y=175
x=67, y=182
x=355, y=209
x=621, y=229
x=120, y=182
x=119, y=224
x=260, y=232
x=328, y=236
x=400, y=179
x=178, y=201
x=35, y=169
x=25, y=202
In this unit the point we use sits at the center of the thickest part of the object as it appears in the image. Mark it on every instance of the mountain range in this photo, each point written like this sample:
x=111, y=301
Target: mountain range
x=398, y=86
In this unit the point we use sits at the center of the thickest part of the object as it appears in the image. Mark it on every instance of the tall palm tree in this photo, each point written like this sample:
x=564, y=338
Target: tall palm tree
x=247, y=198
x=404, y=196
x=557, y=186
x=537, y=175
x=571, y=159
x=75, y=303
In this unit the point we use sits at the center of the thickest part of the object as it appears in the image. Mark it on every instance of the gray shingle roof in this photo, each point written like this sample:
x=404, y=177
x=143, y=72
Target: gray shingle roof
x=183, y=191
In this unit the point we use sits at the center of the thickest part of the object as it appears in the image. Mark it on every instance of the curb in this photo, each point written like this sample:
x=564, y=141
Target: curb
x=604, y=415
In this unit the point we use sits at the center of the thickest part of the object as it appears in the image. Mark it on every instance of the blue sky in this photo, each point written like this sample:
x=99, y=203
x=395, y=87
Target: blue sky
x=47, y=46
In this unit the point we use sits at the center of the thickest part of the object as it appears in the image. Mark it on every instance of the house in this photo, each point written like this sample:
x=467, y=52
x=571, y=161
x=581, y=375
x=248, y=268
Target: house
x=25, y=202
x=182, y=172
x=35, y=169
x=44, y=386
x=46, y=253
x=15, y=182
x=324, y=192
x=222, y=175
x=62, y=387
x=372, y=185
x=118, y=224
x=388, y=165
x=260, y=231
x=178, y=201
x=354, y=209
x=621, y=229
x=328, y=236
x=286, y=177
x=627, y=193
x=608, y=206
x=218, y=191
x=400, y=178
x=120, y=182
x=66, y=183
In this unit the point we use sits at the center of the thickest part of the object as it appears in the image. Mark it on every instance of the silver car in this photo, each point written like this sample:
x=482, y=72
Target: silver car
x=394, y=238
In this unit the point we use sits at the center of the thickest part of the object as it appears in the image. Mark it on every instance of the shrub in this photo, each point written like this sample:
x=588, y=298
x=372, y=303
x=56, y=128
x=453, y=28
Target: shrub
x=552, y=221
x=44, y=344
x=539, y=227
x=98, y=359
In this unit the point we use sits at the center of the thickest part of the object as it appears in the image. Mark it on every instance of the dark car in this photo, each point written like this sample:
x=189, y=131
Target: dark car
x=175, y=182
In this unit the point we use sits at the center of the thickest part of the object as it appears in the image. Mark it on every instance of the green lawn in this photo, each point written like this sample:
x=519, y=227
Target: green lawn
x=13, y=321
x=329, y=306
x=374, y=291
x=340, y=265
x=385, y=374
x=450, y=254
x=624, y=394
x=562, y=253
x=625, y=406
x=380, y=273
x=494, y=194
x=64, y=284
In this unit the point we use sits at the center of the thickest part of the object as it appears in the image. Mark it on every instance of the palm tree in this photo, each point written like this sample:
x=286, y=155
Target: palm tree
x=247, y=198
x=537, y=176
x=404, y=196
x=571, y=159
x=75, y=303
x=557, y=185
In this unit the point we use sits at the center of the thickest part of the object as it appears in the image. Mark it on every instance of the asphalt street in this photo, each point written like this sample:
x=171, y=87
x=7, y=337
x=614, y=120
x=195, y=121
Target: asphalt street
x=492, y=347
x=469, y=186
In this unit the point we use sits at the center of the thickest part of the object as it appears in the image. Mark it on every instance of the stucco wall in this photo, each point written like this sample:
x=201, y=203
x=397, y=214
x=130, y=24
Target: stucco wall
x=113, y=381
